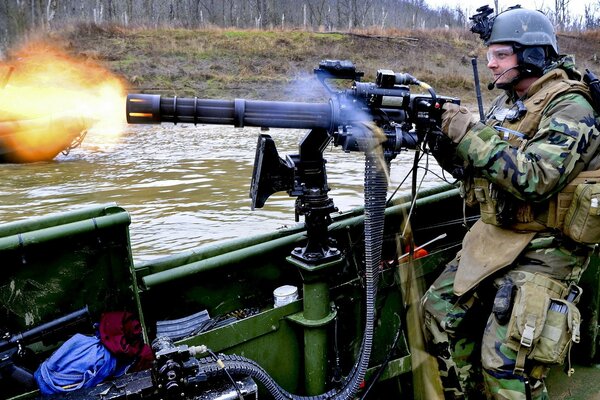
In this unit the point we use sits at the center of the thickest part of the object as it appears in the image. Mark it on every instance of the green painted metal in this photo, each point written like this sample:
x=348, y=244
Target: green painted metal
x=316, y=309
x=145, y=268
x=315, y=360
x=170, y=271
x=245, y=330
x=394, y=368
x=316, y=314
x=32, y=224
x=269, y=338
x=54, y=265
x=301, y=320
x=22, y=240
x=219, y=261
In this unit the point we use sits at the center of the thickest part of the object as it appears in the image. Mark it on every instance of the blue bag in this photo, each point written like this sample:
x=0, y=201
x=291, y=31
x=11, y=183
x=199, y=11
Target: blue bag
x=81, y=362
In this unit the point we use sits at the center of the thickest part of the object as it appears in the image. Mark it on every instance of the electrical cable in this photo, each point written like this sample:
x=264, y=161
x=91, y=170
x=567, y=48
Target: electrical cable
x=383, y=365
x=222, y=365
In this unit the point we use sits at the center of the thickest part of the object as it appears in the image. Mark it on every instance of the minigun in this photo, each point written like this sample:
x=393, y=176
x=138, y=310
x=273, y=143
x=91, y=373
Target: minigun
x=13, y=346
x=404, y=117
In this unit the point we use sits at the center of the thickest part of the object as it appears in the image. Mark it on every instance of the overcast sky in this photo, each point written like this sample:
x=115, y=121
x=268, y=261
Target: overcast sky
x=575, y=6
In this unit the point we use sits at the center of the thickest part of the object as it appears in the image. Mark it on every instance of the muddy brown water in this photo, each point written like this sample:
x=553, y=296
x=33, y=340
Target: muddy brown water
x=183, y=185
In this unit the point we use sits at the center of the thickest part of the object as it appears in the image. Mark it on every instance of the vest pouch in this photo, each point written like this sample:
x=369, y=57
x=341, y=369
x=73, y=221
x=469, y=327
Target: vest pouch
x=582, y=221
x=467, y=192
x=487, y=199
x=561, y=328
x=528, y=315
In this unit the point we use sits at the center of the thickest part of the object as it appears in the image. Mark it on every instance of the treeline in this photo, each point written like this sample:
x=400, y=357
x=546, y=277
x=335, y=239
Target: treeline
x=18, y=17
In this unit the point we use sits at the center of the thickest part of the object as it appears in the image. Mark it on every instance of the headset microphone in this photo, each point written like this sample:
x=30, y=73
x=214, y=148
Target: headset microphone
x=492, y=85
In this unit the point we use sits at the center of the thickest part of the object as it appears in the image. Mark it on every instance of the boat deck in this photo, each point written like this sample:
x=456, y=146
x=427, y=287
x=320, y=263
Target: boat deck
x=584, y=384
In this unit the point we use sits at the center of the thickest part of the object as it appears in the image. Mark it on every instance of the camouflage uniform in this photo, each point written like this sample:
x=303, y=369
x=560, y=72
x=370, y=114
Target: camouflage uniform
x=558, y=148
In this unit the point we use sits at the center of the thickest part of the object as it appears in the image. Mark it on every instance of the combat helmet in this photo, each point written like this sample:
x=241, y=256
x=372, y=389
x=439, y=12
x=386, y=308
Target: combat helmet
x=529, y=31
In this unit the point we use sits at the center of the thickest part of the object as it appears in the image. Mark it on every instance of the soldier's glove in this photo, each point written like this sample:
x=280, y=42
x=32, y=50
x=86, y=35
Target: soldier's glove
x=456, y=121
x=444, y=152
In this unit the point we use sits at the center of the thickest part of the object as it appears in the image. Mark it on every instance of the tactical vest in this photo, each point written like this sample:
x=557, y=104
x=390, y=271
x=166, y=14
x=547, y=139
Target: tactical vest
x=501, y=209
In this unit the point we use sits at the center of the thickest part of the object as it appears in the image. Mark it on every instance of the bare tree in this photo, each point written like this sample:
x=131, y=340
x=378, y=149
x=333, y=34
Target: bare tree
x=590, y=20
x=317, y=10
x=209, y=10
x=51, y=11
x=561, y=13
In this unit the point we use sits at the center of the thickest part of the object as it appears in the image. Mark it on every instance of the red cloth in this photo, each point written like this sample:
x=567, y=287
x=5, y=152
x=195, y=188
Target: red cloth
x=121, y=333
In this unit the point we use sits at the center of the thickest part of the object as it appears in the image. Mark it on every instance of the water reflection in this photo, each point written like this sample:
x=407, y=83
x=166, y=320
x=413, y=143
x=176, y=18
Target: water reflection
x=182, y=185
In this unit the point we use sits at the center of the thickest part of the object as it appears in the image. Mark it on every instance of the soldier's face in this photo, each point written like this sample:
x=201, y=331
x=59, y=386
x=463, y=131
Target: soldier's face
x=501, y=58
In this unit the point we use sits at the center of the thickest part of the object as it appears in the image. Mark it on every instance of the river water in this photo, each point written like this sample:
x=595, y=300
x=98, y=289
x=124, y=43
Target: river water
x=183, y=185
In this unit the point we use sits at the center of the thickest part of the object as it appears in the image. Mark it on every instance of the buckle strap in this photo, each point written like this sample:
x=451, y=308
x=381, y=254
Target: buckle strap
x=528, y=331
x=520, y=361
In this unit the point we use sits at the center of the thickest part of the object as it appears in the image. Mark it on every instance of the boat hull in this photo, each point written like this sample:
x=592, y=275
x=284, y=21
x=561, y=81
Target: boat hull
x=39, y=139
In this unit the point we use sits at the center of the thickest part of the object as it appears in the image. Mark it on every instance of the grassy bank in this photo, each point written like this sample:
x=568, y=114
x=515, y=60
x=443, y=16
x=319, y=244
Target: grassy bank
x=275, y=64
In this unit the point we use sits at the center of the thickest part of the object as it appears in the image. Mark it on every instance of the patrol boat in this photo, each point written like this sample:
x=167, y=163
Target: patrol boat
x=326, y=309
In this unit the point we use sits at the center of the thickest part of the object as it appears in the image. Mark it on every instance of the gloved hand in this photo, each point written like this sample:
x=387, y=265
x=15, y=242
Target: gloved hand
x=456, y=121
x=444, y=152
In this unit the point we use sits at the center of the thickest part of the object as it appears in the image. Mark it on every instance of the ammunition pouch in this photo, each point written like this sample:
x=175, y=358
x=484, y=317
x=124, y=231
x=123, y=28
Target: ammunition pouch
x=542, y=325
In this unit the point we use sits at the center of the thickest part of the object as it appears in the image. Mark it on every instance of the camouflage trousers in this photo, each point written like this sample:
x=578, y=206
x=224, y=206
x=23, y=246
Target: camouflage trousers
x=469, y=341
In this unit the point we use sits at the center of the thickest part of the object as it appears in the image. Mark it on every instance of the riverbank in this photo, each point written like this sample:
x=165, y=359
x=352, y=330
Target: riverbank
x=277, y=65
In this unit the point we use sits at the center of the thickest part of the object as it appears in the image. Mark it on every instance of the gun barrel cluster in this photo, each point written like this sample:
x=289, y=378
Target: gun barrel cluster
x=155, y=109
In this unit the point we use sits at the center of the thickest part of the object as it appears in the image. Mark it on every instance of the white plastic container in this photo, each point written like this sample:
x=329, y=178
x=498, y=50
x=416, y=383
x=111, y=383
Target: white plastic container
x=284, y=295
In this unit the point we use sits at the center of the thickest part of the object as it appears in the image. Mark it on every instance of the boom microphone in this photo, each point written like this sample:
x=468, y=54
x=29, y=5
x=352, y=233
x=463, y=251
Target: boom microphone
x=492, y=85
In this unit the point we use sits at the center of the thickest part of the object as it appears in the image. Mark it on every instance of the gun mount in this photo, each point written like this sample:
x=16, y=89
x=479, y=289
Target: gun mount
x=404, y=118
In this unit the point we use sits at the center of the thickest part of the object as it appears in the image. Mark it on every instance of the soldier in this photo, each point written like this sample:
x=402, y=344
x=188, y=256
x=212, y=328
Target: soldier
x=539, y=135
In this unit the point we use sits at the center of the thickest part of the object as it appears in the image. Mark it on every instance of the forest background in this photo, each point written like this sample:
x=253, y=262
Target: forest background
x=20, y=16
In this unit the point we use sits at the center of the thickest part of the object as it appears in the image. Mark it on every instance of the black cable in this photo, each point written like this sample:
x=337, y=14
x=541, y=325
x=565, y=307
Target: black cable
x=220, y=363
x=428, y=170
x=409, y=173
x=383, y=365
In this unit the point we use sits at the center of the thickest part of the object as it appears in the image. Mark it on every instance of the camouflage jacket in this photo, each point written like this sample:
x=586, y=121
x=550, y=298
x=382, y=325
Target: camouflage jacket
x=560, y=143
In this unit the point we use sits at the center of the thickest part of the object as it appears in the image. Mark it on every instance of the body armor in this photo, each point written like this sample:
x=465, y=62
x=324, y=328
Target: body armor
x=502, y=209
